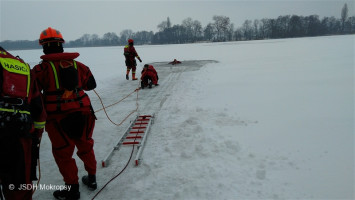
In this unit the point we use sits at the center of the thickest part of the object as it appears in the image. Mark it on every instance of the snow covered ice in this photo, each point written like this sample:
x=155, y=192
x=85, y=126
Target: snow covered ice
x=270, y=119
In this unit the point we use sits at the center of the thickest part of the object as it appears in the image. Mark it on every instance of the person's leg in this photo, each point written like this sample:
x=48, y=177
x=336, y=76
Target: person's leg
x=63, y=149
x=127, y=72
x=19, y=190
x=134, y=73
x=154, y=80
x=85, y=146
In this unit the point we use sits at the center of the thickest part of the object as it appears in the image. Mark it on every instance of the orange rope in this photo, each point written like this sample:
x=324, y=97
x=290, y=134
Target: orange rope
x=104, y=108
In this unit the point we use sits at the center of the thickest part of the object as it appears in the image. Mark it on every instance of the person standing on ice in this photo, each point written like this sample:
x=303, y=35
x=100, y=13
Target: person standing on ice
x=149, y=76
x=22, y=119
x=131, y=54
x=71, y=119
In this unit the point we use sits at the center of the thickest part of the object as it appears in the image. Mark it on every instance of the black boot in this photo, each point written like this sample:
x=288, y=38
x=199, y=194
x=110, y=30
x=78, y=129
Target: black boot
x=90, y=181
x=142, y=85
x=71, y=192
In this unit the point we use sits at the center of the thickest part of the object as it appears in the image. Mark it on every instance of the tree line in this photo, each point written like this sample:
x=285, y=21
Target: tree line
x=219, y=30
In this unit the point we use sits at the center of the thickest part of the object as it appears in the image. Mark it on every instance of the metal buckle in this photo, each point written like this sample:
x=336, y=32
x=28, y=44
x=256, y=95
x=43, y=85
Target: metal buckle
x=18, y=104
x=12, y=101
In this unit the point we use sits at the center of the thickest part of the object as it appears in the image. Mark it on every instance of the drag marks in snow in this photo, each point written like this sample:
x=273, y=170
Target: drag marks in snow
x=152, y=100
x=211, y=136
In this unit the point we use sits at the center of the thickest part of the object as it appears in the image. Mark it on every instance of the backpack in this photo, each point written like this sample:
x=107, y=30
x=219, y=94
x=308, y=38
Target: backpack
x=15, y=80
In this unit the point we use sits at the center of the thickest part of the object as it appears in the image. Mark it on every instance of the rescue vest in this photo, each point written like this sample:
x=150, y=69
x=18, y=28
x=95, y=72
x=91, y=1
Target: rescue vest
x=126, y=51
x=58, y=99
x=130, y=52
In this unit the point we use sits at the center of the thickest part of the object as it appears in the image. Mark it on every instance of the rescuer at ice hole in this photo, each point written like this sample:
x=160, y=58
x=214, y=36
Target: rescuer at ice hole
x=149, y=76
x=174, y=62
x=22, y=119
x=71, y=119
x=131, y=54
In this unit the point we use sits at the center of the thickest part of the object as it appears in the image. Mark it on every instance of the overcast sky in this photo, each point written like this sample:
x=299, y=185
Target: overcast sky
x=24, y=20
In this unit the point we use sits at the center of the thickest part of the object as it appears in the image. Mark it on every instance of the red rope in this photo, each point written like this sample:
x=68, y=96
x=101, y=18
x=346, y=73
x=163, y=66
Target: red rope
x=115, y=175
x=129, y=160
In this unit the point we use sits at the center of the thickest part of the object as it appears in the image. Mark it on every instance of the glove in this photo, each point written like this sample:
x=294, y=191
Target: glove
x=140, y=60
x=37, y=133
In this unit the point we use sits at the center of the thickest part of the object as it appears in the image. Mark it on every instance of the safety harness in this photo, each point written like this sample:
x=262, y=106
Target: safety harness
x=57, y=98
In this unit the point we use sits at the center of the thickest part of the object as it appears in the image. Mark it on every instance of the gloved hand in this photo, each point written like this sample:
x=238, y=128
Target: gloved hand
x=36, y=139
x=37, y=133
x=140, y=60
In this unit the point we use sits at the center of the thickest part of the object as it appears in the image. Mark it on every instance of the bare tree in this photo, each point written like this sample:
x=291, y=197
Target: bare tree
x=238, y=34
x=247, y=30
x=143, y=37
x=350, y=25
x=187, y=24
x=296, y=26
x=85, y=39
x=209, y=32
x=313, y=25
x=256, y=27
x=124, y=35
x=162, y=26
x=196, y=30
x=230, y=33
x=110, y=39
x=221, y=24
x=264, y=28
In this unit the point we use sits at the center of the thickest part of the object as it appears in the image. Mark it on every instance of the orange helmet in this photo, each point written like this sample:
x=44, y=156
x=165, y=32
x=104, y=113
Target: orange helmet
x=130, y=40
x=50, y=35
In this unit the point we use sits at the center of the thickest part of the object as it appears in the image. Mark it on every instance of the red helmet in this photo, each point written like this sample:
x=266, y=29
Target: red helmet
x=130, y=40
x=50, y=35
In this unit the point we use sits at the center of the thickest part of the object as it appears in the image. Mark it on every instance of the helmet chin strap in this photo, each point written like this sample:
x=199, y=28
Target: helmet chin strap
x=51, y=47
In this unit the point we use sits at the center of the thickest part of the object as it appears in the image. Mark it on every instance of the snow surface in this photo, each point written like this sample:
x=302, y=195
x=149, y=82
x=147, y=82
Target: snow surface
x=271, y=119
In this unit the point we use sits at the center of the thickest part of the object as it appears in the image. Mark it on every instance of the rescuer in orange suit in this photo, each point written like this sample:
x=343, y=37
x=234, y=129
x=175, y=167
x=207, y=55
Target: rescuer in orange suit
x=174, y=62
x=71, y=119
x=131, y=54
x=22, y=119
x=149, y=76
